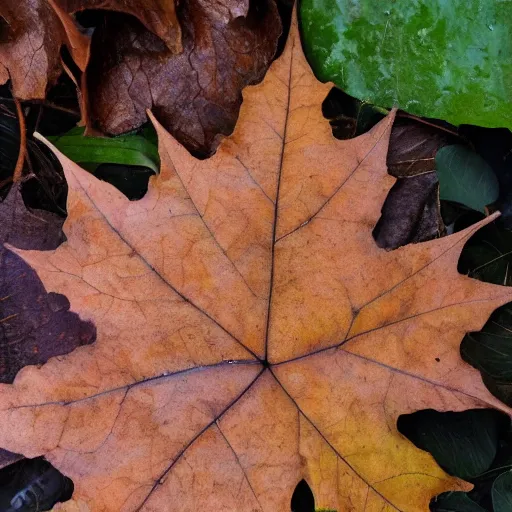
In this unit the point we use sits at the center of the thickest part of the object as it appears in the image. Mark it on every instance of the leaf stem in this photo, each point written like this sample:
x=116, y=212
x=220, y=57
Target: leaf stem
x=16, y=177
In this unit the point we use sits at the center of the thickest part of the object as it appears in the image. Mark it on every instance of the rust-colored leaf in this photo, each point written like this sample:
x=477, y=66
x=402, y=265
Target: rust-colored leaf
x=159, y=16
x=31, y=36
x=250, y=332
x=195, y=94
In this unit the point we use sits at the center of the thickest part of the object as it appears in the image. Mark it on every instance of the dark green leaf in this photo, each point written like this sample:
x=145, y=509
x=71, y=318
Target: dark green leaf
x=464, y=443
x=490, y=350
x=487, y=255
x=465, y=177
x=454, y=502
x=443, y=59
x=502, y=493
x=90, y=152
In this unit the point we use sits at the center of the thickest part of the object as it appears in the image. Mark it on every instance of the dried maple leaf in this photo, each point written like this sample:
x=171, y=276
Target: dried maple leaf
x=196, y=94
x=250, y=331
x=31, y=36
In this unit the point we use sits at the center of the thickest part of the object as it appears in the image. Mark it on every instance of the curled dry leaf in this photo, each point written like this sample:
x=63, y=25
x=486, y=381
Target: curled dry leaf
x=414, y=146
x=159, y=16
x=411, y=212
x=250, y=331
x=31, y=35
x=195, y=94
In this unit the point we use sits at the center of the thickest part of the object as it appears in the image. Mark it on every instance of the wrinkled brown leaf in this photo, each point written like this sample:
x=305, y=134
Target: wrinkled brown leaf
x=196, y=95
x=26, y=228
x=413, y=147
x=411, y=212
x=35, y=325
x=250, y=331
x=30, y=42
x=159, y=16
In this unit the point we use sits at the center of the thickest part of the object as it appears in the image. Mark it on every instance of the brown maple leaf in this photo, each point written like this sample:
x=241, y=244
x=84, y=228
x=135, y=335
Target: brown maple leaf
x=196, y=94
x=31, y=35
x=250, y=331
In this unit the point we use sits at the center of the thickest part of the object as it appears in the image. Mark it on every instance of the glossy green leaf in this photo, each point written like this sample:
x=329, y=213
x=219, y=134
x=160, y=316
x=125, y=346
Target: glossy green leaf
x=90, y=152
x=490, y=350
x=436, y=58
x=487, y=255
x=465, y=177
x=502, y=493
x=454, y=502
x=464, y=443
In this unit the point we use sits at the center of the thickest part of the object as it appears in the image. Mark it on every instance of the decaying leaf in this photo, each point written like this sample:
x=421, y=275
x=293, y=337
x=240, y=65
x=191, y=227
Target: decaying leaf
x=31, y=35
x=36, y=325
x=411, y=212
x=159, y=16
x=250, y=332
x=195, y=94
x=26, y=228
x=414, y=147
x=7, y=458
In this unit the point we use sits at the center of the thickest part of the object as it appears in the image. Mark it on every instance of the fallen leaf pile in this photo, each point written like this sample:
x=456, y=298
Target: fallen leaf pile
x=250, y=332
x=220, y=57
x=187, y=62
x=31, y=35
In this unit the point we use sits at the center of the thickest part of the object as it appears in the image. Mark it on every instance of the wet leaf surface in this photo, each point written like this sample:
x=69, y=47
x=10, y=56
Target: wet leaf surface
x=430, y=58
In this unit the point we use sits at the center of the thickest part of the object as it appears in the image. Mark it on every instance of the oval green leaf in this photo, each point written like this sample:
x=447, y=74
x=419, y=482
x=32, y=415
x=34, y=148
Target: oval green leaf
x=454, y=502
x=436, y=58
x=464, y=443
x=465, y=177
x=502, y=493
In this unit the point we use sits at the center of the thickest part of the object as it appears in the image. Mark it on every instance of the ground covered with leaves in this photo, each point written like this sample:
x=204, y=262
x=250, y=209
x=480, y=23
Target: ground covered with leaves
x=295, y=287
